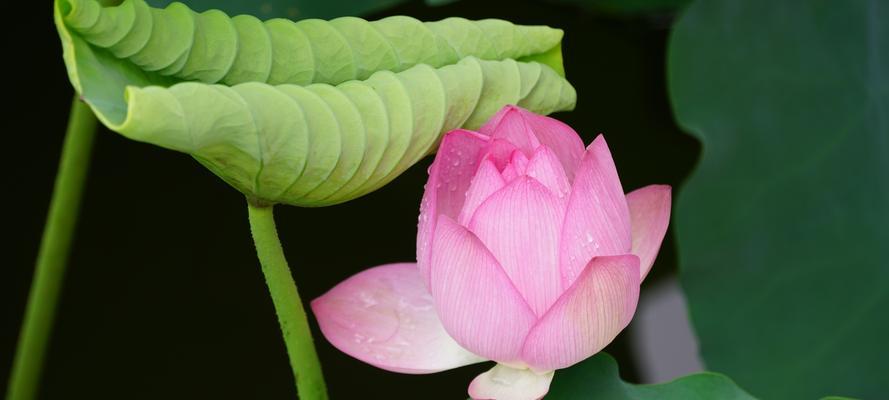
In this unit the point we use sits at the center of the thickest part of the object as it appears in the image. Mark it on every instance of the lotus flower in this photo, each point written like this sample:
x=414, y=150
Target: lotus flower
x=528, y=254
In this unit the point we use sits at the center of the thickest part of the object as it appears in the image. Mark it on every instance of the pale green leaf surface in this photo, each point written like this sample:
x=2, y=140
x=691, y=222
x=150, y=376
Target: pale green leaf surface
x=354, y=103
x=283, y=51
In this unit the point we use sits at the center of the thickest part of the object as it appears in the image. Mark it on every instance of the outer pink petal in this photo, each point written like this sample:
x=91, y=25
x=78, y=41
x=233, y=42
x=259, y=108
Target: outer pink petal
x=587, y=317
x=597, y=222
x=486, y=181
x=503, y=382
x=546, y=169
x=477, y=303
x=385, y=317
x=509, y=124
x=520, y=225
x=649, y=217
x=449, y=179
x=563, y=140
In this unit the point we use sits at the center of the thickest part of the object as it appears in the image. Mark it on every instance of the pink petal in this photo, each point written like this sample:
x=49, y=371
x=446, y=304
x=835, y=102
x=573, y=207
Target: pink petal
x=649, y=217
x=520, y=225
x=500, y=152
x=503, y=382
x=478, y=305
x=509, y=124
x=559, y=137
x=385, y=317
x=546, y=169
x=588, y=316
x=486, y=181
x=518, y=162
x=510, y=173
x=563, y=140
x=449, y=178
x=597, y=222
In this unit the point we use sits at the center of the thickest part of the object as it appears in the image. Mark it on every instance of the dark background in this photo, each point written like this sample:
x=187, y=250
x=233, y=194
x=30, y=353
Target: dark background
x=164, y=297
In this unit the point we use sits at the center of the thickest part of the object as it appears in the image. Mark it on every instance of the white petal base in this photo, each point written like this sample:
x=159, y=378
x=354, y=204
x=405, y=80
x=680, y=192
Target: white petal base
x=506, y=383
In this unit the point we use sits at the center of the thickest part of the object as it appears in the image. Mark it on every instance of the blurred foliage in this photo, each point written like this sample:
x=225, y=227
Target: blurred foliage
x=783, y=227
x=301, y=9
x=290, y=9
x=630, y=7
x=597, y=378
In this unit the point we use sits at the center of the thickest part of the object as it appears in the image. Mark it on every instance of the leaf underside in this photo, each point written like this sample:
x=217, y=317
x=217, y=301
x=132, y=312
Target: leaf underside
x=307, y=113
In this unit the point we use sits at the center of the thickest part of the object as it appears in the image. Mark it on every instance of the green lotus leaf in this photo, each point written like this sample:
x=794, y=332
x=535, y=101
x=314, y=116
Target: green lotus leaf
x=598, y=378
x=212, y=47
x=320, y=144
x=308, y=113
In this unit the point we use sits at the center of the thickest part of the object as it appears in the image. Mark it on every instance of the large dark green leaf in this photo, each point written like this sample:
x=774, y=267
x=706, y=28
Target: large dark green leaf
x=784, y=228
x=597, y=378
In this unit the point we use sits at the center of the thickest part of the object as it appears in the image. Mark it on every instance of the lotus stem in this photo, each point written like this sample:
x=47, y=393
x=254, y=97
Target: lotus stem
x=53, y=254
x=288, y=306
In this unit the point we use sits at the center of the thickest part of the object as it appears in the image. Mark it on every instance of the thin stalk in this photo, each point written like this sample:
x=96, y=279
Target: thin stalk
x=288, y=306
x=53, y=255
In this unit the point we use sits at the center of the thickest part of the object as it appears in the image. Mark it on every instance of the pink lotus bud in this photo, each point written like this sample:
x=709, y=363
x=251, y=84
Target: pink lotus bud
x=528, y=254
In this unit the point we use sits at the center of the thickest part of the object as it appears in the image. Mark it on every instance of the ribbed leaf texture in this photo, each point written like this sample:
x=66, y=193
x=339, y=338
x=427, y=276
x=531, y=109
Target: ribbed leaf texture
x=307, y=113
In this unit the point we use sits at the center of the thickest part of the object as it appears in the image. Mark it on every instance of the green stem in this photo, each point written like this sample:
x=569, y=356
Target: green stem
x=53, y=254
x=288, y=306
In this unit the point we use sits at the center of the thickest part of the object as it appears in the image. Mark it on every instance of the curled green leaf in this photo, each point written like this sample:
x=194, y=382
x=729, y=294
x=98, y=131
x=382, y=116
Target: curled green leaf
x=308, y=113
x=321, y=144
x=212, y=47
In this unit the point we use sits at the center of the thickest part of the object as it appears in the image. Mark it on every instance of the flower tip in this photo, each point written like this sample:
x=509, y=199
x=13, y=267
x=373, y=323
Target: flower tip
x=665, y=190
x=599, y=146
x=512, y=107
x=319, y=306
